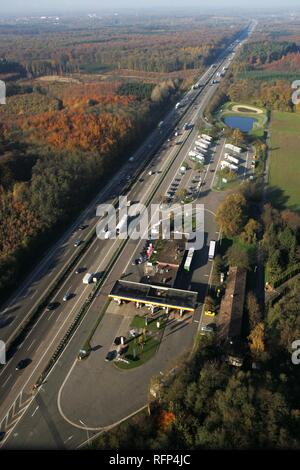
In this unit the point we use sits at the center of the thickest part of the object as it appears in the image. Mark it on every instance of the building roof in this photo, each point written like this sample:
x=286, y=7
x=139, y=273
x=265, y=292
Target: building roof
x=154, y=295
x=232, y=305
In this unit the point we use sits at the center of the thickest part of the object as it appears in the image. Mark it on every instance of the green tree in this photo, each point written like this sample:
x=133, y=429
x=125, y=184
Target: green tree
x=231, y=214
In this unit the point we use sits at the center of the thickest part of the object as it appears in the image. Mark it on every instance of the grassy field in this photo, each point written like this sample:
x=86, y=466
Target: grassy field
x=138, y=354
x=284, y=174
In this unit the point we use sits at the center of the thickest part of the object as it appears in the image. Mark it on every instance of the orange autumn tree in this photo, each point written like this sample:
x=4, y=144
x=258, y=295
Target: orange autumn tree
x=165, y=419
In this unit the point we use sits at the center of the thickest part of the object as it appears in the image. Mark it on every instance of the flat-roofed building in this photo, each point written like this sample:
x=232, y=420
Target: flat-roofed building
x=154, y=296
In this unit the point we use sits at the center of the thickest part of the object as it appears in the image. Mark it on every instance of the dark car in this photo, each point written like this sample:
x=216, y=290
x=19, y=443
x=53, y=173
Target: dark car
x=52, y=306
x=118, y=340
x=22, y=364
x=82, y=227
x=110, y=356
x=67, y=296
x=79, y=270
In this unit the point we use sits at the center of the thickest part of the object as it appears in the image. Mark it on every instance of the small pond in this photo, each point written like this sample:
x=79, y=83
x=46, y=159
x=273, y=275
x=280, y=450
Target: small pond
x=245, y=124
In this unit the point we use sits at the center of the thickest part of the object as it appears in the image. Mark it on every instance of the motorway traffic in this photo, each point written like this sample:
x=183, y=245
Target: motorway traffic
x=147, y=183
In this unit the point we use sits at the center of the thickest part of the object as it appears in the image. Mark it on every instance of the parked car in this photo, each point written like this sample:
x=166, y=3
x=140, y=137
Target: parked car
x=77, y=243
x=208, y=329
x=209, y=313
x=111, y=355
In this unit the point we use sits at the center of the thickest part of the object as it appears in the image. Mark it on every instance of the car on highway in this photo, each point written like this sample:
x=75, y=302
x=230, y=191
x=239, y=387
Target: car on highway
x=67, y=296
x=79, y=270
x=77, y=243
x=111, y=355
x=52, y=306
x=23, y=363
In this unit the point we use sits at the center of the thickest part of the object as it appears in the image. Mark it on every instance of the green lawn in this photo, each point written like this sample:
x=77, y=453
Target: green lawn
x=284, y=173
x=138, y=354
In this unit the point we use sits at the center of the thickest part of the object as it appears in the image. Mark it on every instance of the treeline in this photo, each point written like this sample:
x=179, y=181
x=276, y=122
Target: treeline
x=53, y=161
x=266, y=52
x=281, y=241
x=151, y=51
x=270, y=94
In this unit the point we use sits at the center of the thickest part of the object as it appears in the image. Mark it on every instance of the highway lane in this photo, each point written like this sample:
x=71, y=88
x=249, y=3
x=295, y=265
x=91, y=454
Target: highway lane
x=73, y=283
x=125, y=253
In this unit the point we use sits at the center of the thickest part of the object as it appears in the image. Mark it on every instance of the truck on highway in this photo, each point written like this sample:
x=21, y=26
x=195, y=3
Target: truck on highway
x=233, y=148
x=230, y=166
x=212, y=250
x=231, y=159
x=88, y=278
x=122, y=224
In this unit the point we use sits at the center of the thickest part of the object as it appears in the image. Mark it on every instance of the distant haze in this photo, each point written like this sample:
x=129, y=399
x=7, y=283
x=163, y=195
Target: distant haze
x=19, y=7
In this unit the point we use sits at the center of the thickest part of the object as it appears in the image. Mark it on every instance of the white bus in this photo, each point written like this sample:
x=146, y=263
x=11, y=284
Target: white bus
x=212, y=250
x=189, y=259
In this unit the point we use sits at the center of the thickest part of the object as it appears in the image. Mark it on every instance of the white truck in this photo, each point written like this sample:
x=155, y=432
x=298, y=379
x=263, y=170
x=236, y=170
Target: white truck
x=193, y=153
x=205, y=137
x=122, y=224
x=198, y=158
x=230, y=166
x=231, y=159
x=201, y=144
x=212, y=250
x=88, y=278
x=233, y=148
x=200, y=149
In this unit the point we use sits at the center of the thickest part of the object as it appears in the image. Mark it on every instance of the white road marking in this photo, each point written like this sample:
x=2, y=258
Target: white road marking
x=4, y=383
x=32, y=342
x=35, y=411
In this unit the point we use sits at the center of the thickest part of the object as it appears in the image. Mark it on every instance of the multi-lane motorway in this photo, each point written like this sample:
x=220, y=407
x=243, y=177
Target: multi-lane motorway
x=15, y=386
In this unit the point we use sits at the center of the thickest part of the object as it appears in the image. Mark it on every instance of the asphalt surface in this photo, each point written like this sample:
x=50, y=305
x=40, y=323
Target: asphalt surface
x=35, y=421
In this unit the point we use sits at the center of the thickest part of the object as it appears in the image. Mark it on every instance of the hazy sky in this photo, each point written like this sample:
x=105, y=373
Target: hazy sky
x=38, y=6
